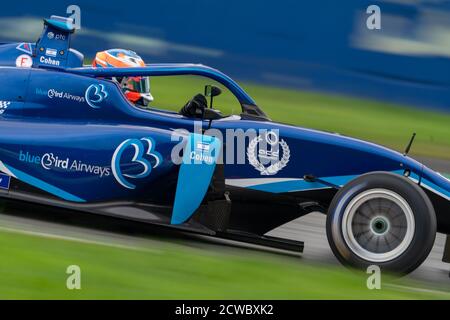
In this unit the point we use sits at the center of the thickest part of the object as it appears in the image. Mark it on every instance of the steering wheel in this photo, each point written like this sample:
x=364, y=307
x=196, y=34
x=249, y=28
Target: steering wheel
x=195, y=108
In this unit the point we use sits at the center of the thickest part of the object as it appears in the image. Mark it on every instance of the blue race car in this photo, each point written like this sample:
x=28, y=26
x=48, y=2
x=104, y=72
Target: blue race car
x=70, y=138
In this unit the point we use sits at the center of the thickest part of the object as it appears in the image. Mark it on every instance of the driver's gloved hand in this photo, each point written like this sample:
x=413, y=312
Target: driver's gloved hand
x=195, y=107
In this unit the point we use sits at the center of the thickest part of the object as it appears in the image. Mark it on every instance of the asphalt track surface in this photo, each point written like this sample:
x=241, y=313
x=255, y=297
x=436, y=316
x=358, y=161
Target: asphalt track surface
x=433, y=273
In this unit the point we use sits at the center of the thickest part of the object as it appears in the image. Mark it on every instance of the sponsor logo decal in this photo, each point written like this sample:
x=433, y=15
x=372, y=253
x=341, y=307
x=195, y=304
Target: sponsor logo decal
x=60, y=37
x=51, y=52
x=4, y=181
x=25, y=47
x=49, y=61
x=3, y=106
x=24, y=61
x=263, y=153
x=95, y=95
x=57, y=36
x=55, y=94
x=29, y=158
x=143, y=153
x=50, y=161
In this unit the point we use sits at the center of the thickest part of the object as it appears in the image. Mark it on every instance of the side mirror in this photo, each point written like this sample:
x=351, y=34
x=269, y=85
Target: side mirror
x=212, y=91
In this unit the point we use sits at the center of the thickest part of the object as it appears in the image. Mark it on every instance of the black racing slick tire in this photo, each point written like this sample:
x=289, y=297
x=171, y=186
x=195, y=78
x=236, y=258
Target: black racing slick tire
x=381, y=219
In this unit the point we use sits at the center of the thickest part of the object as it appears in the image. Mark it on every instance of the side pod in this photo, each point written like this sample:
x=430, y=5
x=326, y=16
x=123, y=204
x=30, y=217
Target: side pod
x=199, y=161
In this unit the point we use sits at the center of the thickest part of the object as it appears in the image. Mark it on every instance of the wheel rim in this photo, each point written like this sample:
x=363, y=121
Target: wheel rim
x=378, y=225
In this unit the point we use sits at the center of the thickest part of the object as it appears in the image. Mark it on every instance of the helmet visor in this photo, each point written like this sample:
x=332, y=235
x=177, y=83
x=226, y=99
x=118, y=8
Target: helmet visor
x=138, y=84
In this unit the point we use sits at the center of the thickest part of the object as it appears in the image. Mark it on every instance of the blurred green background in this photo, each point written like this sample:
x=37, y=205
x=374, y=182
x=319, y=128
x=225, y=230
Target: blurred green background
x=408, y=59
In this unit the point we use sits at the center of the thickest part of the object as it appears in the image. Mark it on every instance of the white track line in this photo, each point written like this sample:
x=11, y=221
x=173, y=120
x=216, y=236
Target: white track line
x=415, y=289
x=73, y=239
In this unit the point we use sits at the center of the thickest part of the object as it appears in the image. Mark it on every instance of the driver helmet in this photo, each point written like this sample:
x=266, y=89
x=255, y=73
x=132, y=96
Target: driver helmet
x=136, y=89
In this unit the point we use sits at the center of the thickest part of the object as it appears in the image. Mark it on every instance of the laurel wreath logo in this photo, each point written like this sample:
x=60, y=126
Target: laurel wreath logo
x=272, y=169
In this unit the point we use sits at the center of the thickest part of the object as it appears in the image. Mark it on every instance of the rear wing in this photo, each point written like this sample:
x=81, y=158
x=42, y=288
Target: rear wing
x=52, y=48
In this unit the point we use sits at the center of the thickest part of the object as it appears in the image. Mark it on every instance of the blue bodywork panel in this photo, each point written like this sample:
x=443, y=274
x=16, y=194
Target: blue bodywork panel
x=199, y=161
